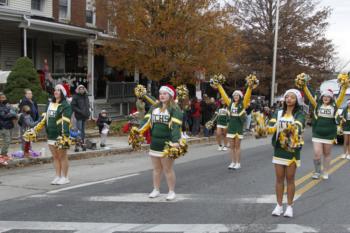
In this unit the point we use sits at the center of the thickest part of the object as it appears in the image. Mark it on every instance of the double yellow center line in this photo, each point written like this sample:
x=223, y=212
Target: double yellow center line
x=311, y=183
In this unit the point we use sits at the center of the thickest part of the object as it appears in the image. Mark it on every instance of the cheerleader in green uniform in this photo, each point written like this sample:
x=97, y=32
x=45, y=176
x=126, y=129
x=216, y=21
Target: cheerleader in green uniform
x=165, y=121
x=345, y=118
x=236, y=107
x=324, y=127
x=286, y=159
x=222, y=115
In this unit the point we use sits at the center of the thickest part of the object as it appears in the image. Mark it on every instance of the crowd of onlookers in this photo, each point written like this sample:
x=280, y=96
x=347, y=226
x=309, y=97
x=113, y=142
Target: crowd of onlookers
x=26, y=116
x=198, y=112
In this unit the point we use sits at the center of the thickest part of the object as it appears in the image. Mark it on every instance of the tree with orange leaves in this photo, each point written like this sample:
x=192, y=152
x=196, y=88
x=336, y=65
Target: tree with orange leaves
x=173, y=39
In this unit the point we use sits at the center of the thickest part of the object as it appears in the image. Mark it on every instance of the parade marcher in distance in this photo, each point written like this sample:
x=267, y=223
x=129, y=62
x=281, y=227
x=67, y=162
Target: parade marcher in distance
x=345, y=124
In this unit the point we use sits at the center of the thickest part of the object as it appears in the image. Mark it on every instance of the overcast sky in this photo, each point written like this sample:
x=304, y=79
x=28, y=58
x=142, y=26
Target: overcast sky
x=339, y=30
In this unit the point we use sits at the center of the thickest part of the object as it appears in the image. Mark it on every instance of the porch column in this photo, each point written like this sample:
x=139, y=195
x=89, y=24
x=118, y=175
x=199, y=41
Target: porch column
x=90, y=72
x=25, y=42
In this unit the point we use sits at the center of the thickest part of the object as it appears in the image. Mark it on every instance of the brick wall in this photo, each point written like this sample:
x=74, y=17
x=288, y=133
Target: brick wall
x=78, y=8
x=101, y=19
x=55, y=9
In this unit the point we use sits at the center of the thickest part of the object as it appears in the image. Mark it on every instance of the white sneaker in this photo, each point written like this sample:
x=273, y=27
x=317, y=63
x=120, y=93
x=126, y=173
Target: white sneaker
x=155, y=193
x=325, y=176
x=63, y=180
x=343, y=156
x=224, y=148
x=289, y=212
x=237, y=166
x=171, y=196
x=348, y=157
x=220, y=148
x=278, y=211
x=316, y=176
x=54, y=181
x=231, y=166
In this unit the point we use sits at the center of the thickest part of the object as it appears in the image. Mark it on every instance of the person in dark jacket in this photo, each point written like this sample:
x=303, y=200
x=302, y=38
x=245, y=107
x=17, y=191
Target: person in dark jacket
x=7, y=117
x=28, y=100
x=81, y=109
x=196, y=116
x=103, y=122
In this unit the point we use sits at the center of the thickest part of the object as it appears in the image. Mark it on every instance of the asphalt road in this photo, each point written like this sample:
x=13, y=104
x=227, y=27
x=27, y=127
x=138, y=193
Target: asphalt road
x=110, y=195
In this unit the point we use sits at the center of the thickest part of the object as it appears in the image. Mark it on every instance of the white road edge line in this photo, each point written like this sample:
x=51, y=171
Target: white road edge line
x=143, y=198
x=84, y=227
x=91, y=183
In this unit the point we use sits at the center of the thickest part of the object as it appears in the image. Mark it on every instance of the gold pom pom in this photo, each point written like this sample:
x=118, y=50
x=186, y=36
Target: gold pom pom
x=209, y=124
x=302, y=80
x=63, y=142
x=290, y=139
x=135, y=139
x=252, y=81
x=261, y=129
x=182, y=92
x=140, y=91
x=217, y=80
x=173, y=152
x=343, y=79
x=30, y=136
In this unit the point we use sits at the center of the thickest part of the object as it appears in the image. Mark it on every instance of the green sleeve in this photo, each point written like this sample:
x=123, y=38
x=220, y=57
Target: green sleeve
x=146, y=120
x=63, y=121
x=300, y=121
x=175, y=125
x=273, y=120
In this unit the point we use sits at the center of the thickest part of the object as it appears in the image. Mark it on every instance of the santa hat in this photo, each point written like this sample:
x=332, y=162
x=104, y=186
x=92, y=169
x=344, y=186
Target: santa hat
x=61, y=88
x=168, y=89
x=296, y=93
x=327, y=92
x=237, y=92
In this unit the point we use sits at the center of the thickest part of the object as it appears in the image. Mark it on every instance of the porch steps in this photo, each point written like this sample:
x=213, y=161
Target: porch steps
x=112, y=109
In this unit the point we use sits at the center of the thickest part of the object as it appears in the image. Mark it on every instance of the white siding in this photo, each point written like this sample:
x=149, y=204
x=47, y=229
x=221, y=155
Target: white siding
x=10, y=47
x=21, y=5
x=26, y=5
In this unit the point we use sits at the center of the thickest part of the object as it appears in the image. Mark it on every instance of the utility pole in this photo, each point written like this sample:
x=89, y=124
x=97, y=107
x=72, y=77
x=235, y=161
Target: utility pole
x=275, y=53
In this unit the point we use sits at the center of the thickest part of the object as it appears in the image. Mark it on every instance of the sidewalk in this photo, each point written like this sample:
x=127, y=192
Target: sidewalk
x=115, y=145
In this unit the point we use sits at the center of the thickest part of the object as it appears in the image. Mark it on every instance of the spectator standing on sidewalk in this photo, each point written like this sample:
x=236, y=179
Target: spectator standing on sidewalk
x=103, y=122
x=196, y=116
x=7, y=117
x=81, y=109
x=28, y=100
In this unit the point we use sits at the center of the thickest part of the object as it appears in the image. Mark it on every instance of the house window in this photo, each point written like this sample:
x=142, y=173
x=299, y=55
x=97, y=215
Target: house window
x=90, y=12
x=37, y=5
x=64, y=9
x=3, y=2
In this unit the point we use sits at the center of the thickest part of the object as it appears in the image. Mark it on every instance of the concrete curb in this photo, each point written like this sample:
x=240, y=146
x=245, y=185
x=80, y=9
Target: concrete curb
x=17, y=163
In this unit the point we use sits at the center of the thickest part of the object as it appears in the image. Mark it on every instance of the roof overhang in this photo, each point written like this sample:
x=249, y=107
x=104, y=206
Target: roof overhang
x=58, y=28
x=12, y=15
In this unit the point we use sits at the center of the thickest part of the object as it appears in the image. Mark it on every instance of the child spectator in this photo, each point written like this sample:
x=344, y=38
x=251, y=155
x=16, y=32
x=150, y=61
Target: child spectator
x=103, y=122
x=25, y=122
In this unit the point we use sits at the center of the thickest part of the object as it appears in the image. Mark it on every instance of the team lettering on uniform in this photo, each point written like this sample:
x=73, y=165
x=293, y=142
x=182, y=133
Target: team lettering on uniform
x=326, y=111
x=234, y=110
x=160, y=117
x=52, y=113
x=223, y=112
x=283, y=123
